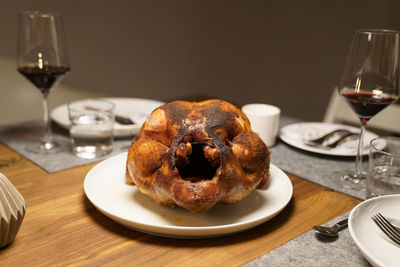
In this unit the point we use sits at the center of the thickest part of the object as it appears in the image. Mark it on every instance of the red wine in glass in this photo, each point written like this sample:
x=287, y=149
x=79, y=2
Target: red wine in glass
x=366, y=105
x=44, y=78
x=43, y=59
x=370, y=82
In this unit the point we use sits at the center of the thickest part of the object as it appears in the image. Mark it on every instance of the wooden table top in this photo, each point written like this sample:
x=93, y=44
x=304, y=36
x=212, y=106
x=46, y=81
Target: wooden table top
x=61, y=226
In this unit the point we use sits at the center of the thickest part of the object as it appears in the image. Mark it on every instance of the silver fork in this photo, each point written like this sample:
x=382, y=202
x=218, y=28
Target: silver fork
x=389, y=229
x=319, y=142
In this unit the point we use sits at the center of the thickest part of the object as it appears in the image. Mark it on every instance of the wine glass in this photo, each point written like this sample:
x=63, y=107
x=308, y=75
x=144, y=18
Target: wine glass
x=370, y=81
x=42, y=58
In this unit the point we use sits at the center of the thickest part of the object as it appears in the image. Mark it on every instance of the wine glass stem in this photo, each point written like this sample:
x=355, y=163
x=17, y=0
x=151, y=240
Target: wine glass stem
x=358, y=167
x=47, y=138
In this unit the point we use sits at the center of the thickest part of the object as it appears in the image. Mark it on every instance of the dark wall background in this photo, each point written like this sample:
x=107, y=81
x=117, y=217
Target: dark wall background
x=286, y=53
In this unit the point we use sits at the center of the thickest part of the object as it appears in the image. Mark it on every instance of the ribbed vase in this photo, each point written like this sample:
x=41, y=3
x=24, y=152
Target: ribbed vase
x=12, y=211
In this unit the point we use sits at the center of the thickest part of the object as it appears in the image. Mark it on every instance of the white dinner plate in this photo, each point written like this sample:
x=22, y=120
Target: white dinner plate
x=376, y=247
x=105, y=187
x=136, y=109
x=295, y=134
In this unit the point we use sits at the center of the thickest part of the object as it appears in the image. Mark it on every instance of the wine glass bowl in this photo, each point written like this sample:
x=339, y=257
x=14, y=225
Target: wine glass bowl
x=42, y=59
x=370, y=81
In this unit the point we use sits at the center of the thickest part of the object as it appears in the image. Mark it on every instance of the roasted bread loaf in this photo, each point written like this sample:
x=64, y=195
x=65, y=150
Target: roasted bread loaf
x=195, y=155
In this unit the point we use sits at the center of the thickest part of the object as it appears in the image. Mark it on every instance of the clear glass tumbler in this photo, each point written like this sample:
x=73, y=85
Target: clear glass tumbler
x=91, y=128
x=384, y=167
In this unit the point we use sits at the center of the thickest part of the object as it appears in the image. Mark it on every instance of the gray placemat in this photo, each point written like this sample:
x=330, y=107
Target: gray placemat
x=310, y=249
x=320, y=169
x=19, y=136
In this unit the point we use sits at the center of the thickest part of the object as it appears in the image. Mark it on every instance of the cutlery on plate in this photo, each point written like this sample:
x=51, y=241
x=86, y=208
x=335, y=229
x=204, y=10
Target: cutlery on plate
x=389, y=229
x=331, y=231
x=123, y=120
x=320, y=141
x=120, y=119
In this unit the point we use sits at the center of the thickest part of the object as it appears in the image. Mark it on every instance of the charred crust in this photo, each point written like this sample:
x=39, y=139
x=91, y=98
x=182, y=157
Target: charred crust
x=221, y=142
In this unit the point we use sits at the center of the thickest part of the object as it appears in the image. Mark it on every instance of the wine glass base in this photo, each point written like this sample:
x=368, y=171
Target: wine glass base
x=49, y=147
x=354, y=180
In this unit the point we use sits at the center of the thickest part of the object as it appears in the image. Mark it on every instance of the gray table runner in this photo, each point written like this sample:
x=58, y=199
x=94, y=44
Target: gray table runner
x=19, y=136
x=310, y=249
x=324, y=170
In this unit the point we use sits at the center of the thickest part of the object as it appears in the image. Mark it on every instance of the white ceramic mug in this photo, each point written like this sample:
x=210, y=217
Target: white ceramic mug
x=264, y=120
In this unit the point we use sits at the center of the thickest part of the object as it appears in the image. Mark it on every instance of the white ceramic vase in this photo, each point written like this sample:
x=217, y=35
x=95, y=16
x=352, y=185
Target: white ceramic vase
x=12, y=211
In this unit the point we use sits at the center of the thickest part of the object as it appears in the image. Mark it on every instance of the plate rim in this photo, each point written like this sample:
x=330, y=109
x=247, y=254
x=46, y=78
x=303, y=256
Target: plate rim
x=363, y=249
x=190, y=231
x=316, y=150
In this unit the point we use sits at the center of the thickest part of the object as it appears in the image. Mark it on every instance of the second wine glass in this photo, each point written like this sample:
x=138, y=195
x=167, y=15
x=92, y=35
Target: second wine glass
x=43, y=60
x=370, y=81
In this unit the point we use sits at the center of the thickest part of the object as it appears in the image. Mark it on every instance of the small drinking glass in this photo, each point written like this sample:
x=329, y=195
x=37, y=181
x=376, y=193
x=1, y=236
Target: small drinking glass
x=384, y=167
x=91, y=129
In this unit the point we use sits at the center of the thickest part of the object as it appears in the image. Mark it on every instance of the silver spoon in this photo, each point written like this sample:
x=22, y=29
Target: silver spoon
x=330, y=230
